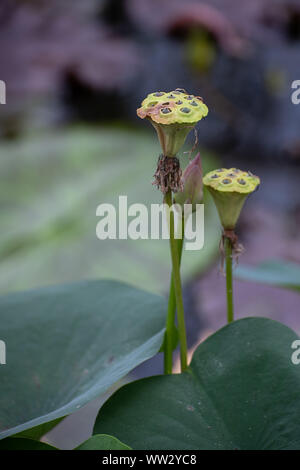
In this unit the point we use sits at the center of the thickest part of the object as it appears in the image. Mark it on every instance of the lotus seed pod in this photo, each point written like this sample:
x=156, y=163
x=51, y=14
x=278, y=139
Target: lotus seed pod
x=173, y=114
x=192, y=184
x=230, y=188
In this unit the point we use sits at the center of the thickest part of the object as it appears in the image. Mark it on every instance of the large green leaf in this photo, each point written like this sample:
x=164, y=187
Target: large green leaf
x=39, y=431
x=50, y=187
x=68, y=344
x=273, y=272
x=241, y=392
x=21, y=443
x=103, y=442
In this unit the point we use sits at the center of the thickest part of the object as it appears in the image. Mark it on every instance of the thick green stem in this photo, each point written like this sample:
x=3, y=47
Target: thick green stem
x=170, y=326
x=229, y=292
x=177, y=286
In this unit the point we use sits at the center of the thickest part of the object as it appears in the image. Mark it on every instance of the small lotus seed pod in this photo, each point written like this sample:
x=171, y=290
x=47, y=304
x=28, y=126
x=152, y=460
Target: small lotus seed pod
x=230, y=188
x=173, y=114
x=192, y=184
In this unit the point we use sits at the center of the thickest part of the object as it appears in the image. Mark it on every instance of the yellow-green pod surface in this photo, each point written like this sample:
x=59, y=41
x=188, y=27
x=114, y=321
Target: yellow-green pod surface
x=230, y=188
x=173, y=114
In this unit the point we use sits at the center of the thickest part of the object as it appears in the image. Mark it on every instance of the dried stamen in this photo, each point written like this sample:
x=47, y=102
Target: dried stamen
x=168, y=174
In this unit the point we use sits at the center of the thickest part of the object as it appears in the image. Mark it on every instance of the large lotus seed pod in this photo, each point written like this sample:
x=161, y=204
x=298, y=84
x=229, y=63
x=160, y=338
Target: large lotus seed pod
x=192, y=192
x=173, y=114
x=229, y=189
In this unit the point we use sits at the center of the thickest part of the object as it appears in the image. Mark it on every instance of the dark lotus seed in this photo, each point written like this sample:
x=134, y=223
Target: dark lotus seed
x=178, y=102
x=232, y=175
x=215, y=176
x=171, y=96
x=241, y=181
x=193, y=103
x=159, y=93
x=185, y=110
x=190, y=97
x=166, y=110
x=226, y=181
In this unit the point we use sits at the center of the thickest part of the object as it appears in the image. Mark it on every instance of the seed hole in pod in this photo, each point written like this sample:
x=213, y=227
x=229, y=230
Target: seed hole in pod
x=171, y=96
x=232, y=175
x=193, y=103
x=226, y=181
x=241, y=181
x=166, y=103
x=178, y=102
x=215, y=176
x=185, y=110
x=153, y=103
x=189, y=97
x=166, y=110
x=158, y=93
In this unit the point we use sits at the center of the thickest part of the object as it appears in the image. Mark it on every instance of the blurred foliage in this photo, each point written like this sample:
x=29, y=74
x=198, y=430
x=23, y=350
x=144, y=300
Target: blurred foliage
x=94, y=60
x=274, y=272
x=51, y=185
x=201, y=50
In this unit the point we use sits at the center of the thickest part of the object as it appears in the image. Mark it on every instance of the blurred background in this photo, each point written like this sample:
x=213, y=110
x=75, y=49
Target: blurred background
x=76, y=71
